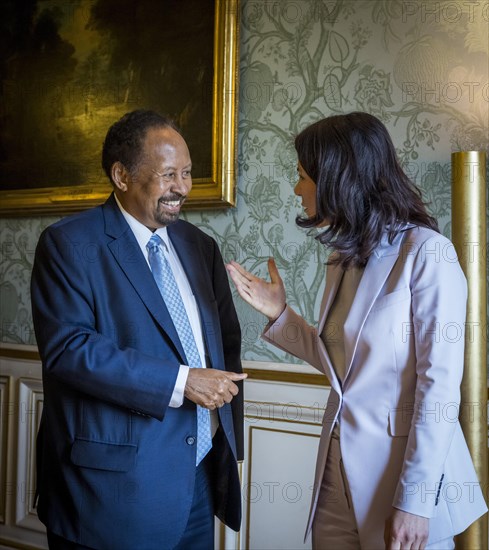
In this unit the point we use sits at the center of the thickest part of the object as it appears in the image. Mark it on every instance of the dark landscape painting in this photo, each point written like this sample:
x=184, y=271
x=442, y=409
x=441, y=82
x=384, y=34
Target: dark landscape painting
x=70, y=68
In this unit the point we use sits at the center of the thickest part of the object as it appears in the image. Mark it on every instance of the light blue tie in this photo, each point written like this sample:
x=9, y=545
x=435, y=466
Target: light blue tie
x=165, y=280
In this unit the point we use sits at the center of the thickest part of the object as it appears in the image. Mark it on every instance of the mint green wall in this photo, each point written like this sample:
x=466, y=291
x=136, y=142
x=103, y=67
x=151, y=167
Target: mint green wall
x=422, y=67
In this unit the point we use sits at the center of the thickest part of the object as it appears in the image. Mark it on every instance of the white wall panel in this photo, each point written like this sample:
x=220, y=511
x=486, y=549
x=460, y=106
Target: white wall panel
x=282, y=428
x=21, y=406
x=279, y=488
x=30, y=399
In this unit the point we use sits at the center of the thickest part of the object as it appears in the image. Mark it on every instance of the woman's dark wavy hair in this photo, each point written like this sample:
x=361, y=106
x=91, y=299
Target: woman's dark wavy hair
x=362, y=190
x=124, y=140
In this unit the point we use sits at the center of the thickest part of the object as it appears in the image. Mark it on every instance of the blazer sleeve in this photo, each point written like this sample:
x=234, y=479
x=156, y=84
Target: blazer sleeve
x=439, y=296
x=292, y=334
x=74, y=351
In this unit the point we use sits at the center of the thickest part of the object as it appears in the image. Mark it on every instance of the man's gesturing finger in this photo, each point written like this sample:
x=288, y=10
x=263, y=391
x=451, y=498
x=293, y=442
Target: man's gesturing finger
x=212, y=388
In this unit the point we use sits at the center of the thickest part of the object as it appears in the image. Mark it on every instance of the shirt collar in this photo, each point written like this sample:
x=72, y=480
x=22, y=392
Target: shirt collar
x=141, y=232
x=384, y=244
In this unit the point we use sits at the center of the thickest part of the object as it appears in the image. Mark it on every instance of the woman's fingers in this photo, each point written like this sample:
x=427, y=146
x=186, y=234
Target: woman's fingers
x=266, y=297
x=238, y=277
x=244, y=275
x=245, y=280
x=274, y=274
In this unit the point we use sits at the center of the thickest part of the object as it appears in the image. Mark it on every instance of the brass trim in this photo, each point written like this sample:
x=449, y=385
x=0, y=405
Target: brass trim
x=289, y=377
x=469, y=231
x=253, y=374
x=19, y=353
x=218, y=191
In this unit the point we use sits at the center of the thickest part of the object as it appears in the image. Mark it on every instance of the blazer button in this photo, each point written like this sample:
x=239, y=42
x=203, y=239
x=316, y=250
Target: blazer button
x=190, y=440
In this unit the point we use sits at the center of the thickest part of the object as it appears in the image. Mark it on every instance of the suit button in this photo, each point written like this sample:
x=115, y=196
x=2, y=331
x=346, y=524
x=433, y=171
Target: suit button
x=190, y=440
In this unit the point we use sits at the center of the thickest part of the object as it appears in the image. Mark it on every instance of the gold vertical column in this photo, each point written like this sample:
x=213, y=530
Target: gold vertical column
x=469, y=238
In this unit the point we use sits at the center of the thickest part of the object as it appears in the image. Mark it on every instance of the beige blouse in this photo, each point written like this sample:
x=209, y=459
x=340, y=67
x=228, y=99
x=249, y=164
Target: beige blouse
x=332, y=334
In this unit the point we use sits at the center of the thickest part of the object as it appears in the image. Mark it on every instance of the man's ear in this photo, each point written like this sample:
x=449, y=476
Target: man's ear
x=120, y=176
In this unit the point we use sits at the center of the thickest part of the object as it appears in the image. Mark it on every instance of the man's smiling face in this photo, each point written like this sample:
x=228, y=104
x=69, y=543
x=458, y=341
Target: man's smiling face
x=154, y=191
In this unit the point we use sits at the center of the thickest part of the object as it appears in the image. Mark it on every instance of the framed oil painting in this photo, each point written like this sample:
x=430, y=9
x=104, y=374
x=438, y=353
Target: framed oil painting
x=70, y=68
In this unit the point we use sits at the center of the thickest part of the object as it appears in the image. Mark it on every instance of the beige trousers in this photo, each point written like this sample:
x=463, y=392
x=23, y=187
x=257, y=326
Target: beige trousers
x=334, y=526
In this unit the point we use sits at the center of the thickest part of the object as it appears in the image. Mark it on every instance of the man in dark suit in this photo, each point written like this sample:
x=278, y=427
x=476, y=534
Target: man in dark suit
x=118, y=466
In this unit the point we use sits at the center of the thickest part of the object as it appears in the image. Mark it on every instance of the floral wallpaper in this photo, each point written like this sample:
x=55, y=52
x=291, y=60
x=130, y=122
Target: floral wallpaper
x=420, y=66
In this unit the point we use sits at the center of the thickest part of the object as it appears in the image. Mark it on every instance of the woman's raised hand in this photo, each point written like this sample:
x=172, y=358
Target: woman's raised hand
x=267, y=298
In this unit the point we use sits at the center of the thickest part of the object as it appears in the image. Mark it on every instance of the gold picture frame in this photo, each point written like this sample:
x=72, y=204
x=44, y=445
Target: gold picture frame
x=214, y=190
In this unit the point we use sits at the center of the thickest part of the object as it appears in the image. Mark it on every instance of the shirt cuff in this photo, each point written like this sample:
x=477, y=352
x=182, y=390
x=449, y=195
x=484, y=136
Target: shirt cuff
x=177, y=395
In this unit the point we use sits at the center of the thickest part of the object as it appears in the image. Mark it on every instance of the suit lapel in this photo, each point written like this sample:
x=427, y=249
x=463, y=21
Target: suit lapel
x=127, y=253
x=377, y=270
x=193, y=261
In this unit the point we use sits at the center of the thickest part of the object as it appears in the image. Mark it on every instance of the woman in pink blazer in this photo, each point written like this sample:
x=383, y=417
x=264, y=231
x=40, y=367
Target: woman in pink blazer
x=393, y=468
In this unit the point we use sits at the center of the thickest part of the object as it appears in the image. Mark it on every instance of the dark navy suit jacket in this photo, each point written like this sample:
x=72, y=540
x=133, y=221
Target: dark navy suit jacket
x=116, y=464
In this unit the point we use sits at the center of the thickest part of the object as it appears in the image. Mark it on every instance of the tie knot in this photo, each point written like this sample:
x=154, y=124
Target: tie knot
x=155, y=242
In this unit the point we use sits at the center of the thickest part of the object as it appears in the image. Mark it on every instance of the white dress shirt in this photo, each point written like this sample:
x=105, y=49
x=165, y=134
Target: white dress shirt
x=143, y=235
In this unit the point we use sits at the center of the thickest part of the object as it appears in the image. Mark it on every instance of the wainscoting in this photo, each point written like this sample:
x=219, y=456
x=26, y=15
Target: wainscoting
x=284, y=405
x=21, y=405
